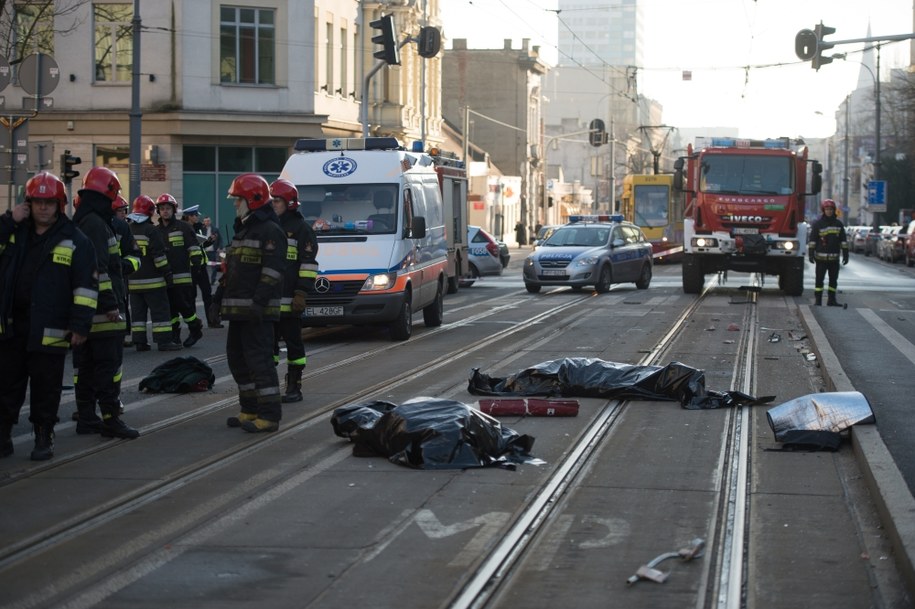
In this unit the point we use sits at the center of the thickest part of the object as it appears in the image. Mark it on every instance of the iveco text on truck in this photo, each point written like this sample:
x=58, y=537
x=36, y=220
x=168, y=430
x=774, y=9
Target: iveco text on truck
x=745, y=209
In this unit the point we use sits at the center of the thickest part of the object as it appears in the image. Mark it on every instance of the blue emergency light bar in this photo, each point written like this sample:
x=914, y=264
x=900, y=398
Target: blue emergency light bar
x=596, y=218
x=347, y=143
x=733, y=142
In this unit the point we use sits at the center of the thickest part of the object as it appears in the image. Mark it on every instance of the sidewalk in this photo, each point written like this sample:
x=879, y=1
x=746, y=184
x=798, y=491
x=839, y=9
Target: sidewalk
x=887, y=486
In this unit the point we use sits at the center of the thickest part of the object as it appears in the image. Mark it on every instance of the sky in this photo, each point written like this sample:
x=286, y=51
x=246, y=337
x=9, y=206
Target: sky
x=745, y=73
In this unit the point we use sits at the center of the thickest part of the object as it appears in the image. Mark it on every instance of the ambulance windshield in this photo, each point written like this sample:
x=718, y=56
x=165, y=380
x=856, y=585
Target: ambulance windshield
x=337, y=209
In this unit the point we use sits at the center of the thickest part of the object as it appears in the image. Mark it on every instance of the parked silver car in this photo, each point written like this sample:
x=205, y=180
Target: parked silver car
x=484, y=255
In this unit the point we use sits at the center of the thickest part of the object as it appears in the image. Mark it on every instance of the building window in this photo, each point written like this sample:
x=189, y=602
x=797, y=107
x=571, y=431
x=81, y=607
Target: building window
x=344, y=61
x=247, y=45
x=329, y=59
x=113, y=42
x=34, y=30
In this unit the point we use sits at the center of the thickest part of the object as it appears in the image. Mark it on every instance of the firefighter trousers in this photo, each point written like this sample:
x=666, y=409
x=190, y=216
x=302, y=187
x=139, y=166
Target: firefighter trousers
x=289, y=329
x=41, y=373
x=152, y=304
x=97, y=367
x=249, y=350
x=824, y=267
x=182, y=302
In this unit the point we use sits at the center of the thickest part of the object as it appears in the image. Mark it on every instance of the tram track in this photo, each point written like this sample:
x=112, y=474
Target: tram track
x=724, y=589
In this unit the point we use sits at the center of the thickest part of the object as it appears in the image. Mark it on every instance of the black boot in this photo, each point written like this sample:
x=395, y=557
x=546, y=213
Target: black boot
x=818, y=298
x=6, y=439
x=87, y=421
x=44, y=443
x=196, y=330
x=832, y=302
x=114, y=427
x=293, y=384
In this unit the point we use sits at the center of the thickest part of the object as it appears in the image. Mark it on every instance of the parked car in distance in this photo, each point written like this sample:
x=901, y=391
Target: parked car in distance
x=590, y=250
x=872, y=239
x=892, y=247
x=483, y=255
x=504, y=255
x=543, y=233
x=910, y=244
x=857, y=236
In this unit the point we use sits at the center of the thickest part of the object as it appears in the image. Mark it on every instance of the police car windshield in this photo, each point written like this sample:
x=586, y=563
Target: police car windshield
x=343, y=209
x=579, y=236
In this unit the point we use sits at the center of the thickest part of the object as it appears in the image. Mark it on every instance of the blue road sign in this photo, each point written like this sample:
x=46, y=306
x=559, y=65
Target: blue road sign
x=876, y=195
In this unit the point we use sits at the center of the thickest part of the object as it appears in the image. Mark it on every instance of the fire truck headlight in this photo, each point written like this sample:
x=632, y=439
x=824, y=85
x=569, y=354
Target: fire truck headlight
x=704, y=242
x=788, y=246
x=381, y=281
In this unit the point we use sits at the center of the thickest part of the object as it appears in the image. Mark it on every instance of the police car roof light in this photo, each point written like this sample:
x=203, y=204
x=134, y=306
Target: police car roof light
x=596, y=218
x=347, y=143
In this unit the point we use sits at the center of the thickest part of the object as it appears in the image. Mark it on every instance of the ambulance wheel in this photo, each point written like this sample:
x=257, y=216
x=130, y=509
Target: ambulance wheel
x=434, y=313
x=402, y=326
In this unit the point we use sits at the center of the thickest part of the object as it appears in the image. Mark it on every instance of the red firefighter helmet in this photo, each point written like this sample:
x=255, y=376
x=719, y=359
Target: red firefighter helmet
x=46, y=185
x=103, y=181
x=287, y=191
x=119, y=203
x=828, y=203
x=167, y=198
x=252, y=188
x=144, y=205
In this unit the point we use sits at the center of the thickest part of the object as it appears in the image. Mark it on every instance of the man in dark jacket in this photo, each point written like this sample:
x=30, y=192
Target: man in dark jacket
x=199, y=276
x=130, y=254
x=251, y=303
x=148, y=295
x=47, y=268
x=183, y=253
x=827, y=243
x=97, y=362
x=298, y=277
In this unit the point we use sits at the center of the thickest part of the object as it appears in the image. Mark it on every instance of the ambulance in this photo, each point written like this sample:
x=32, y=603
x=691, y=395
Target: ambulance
x=377, y=211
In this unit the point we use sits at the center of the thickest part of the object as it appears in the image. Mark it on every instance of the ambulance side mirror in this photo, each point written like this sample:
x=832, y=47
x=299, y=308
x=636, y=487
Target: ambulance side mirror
x=418, y=227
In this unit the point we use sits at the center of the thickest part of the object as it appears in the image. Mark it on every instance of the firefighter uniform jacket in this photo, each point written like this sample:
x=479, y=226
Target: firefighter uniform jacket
x=255, y=262
x=65, y=283
x=128, y=251
x=93, y=217
x=301, y=254
x=154, y=272
x=182, y=250
x=827, y=239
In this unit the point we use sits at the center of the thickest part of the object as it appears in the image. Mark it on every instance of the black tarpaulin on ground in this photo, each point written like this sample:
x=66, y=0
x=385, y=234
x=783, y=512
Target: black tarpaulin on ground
x=430, y=433
x=179, y=375
x=596, y=378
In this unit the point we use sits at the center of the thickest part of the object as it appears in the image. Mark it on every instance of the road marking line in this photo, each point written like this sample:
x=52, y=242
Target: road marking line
x=896, y=339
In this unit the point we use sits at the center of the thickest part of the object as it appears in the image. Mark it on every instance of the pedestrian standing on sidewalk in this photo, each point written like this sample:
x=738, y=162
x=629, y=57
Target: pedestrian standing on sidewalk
x=47, y=268
x=827, y=243
x=251, y=303
x=298, y=277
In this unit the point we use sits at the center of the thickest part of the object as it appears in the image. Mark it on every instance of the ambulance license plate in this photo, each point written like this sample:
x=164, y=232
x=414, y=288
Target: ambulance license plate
x=323, y=311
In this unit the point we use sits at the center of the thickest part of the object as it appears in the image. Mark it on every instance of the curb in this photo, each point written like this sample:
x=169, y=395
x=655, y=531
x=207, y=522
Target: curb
x=888, y=489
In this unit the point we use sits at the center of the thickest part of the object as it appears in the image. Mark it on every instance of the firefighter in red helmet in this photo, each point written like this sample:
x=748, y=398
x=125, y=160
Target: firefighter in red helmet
x=148, y=286
x=183, y=253
x=255, y=262
x=826, y=245
x=97, y=362
x=47, y=268
x=298, y=278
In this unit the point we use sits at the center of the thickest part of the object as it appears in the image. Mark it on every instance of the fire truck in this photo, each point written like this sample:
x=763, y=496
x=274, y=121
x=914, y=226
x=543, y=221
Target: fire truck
x=452, y=181
x=744, y=209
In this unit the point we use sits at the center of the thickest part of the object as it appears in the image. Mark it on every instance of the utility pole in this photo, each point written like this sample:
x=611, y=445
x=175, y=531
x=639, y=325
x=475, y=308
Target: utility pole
x=136, y=115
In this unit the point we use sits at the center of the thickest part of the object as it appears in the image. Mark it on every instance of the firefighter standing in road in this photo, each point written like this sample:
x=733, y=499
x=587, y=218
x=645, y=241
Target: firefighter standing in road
x=183, y=252
x=298, y=277
x=148, y=286
x=97, y=362
x=827, y=244
x=199, y=275
x=47, y=268
x=255, y=263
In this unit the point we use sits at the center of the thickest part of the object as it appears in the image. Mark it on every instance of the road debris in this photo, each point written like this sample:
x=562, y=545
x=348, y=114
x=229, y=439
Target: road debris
x=695, y=549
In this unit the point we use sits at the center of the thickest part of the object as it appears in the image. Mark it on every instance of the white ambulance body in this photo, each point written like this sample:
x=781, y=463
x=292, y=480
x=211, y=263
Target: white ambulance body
x=377, y=212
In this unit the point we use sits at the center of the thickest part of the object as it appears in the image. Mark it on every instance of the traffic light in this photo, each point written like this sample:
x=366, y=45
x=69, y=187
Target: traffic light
x=820, y=31
x=597, y=134
x=67, y=164
x=387, y=38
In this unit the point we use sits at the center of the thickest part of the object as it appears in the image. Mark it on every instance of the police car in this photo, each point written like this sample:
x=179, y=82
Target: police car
x=590, y=250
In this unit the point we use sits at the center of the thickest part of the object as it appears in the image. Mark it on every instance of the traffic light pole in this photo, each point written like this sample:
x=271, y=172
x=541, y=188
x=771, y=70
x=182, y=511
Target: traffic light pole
x=365, y=88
